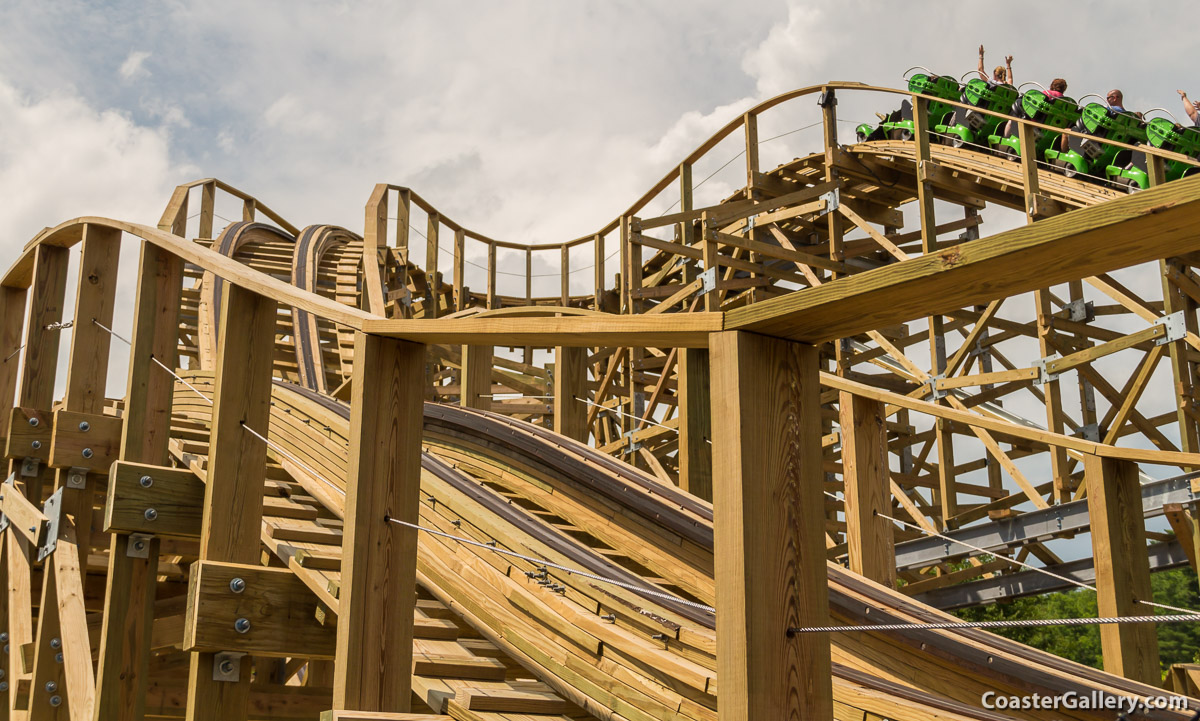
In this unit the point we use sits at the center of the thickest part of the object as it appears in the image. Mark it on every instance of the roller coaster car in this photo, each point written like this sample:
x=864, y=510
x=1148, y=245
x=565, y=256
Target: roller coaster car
x=974, y=127
x=899, y=124
x=1168, y=135
x=1102, y=160
x=1039, y=107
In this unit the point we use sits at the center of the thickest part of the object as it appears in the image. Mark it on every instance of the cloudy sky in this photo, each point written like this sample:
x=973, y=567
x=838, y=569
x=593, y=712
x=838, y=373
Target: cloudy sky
x=527, y=121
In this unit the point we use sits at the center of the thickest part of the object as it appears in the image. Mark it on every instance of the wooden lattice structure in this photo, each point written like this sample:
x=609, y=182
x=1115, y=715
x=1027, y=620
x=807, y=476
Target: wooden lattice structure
x=775, y=376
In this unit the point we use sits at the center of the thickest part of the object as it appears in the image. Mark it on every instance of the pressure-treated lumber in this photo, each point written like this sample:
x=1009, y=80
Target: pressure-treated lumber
x=866, y=475
x=232, y=519
x=570, y=385
x=372, y=671
x=1122, y=570
x=769, y=543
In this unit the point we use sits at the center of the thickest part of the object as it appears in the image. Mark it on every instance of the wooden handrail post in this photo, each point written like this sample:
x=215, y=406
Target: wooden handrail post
x=433, y=278
x=491, y=278
x=121, y=678
x=768, y=525
x=564, y=267
x=1122, y=569
x=570, y=383
x=208, y=202
x=460, y=282
x=375, y=238
x=373, y=667
x=231, y=526
x=870, y=538
x=598, y=291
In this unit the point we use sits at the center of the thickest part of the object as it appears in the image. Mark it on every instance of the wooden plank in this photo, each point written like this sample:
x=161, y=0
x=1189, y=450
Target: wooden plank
x=232, y=518
x=12, y=319
x=280, y=612
x=769, y=529
x=870, y=538
x=1078, y=244
x=681, y=330
x=85, y=440
x=1122, y=568
x=157, y=500
x=570, y=384
x=374, y=640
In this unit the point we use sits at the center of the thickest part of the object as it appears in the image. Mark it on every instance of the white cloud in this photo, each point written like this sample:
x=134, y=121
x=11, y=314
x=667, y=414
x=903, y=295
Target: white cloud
x=62, y=159
x=134, y=65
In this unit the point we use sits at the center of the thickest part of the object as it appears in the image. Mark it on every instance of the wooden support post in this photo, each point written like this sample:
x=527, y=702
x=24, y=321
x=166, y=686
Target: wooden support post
x=750, y=125
x=570, y=384
x=372, y=670
x=374, y=238
x=460, y=283
x=122, y=675
x=433, y=279
x=866, y=475
x=564, y=278
x=1122, y=569
x=208, y=202
x=598, y=292
x=233, y=496
x=695, y=422
x=249, y=206
x=769, y=529
x=403, y=223
x=476, y=377
x=491, y=279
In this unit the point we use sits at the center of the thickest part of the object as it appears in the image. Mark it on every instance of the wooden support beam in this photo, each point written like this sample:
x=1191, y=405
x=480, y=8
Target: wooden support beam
x=1074, y=245
x=433, y=278
x=870, y=537
x=695, y=422
x=1122, y=569
x=570, y=384
x=122, y=672
x=372, y=671
x=769, y=530
x=232, y=522
x=475, y=380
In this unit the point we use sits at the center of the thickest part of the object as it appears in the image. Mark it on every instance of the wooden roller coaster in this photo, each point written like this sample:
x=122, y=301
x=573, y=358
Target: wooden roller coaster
x=344, y=484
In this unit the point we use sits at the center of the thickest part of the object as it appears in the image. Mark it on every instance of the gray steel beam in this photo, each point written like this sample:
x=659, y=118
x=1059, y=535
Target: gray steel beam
x=1041, y=525
x=1163, y=556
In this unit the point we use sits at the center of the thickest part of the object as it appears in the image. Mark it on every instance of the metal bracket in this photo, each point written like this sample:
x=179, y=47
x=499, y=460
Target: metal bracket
x=1080, y=311
x=934, y=392
x=1176, y=328
x=750, y=222
x=227, y=666
x=29, y=467
x=634, y=446
x=77, y=477
x=1044, y=377
x=708, y=281
x=138, y=545
x=832, y=200
x=1090, y=432
x=971, y=233
x=53, y=512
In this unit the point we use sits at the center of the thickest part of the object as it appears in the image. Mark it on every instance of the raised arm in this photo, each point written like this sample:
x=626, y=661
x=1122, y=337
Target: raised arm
x=982, y=73
x=1190, y=108
x=1008, y=64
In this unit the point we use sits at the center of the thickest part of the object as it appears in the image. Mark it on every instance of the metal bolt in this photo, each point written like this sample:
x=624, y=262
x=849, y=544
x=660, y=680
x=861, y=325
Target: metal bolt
x=242, y=625
x=237, y=585
x=85, y=426
x=1, y=673
x=33, y=422
x=87, y=453
x=146, y=481
x=6, y=648
x=151, y=514
x=4, y=637
x=3, y=686
x=139, y=545
x=659, y=637
x=55, y=643
x=56, y=701
x=226, y=667
x=58, y=657
x=609, y=617
x=51, y=687
x=36, y=445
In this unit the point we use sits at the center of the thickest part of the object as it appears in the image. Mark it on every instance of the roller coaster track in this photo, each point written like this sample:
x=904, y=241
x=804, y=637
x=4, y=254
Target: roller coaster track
x=622, y=491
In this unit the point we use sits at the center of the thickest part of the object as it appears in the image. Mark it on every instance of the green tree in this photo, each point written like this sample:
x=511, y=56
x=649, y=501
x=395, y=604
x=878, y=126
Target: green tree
x=1177, y=642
